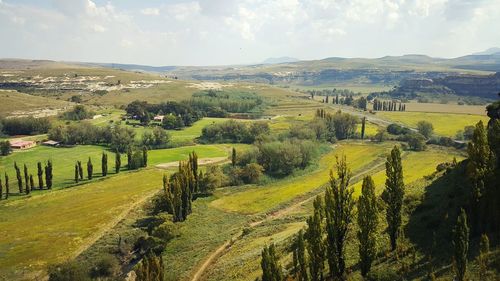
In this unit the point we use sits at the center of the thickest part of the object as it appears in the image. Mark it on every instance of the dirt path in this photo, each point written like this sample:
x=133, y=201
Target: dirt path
x=212, y=258
x=201, y=162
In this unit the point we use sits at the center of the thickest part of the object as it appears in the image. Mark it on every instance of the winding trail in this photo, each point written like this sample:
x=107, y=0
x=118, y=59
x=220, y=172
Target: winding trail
x=220, y=251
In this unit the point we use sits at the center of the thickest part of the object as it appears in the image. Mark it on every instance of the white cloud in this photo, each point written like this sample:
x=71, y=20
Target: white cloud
x=151, y=12
x=98, y=28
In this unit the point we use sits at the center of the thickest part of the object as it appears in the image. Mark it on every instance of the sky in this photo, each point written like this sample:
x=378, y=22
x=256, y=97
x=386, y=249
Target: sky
x=224, y=32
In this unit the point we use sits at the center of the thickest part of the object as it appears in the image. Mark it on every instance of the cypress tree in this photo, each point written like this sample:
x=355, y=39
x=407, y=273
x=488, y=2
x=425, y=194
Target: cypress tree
x=460, y=245
x=150, y=269
x=165, y=182
x=482, y=259
x=48, y=174
x=363, y=124
x=26, y=180
x=300, y=258
x=233, y=157
x=118, y=162
x=367, y=223
x=129, y=158
x=1, y=189
x=271, y=269
x=40, y=175
x=339, y=206
x=6, y=186
x=80, y=169
x=144, y=156
x=104, y=164
x=76, y=173
x=394, y=193
x=90, y=169
x=193, y=167
x=32, y=182
x=19, y=178
x=315, y=247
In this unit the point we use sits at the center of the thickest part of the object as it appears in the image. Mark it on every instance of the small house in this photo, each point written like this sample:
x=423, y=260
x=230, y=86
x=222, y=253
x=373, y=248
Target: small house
x=22, y=144
x=159, y=118
x=51, y=143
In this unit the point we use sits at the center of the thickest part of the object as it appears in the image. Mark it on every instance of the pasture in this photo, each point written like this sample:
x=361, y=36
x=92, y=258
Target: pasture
x=262, y=198
x=445, y=124
x=67, y=218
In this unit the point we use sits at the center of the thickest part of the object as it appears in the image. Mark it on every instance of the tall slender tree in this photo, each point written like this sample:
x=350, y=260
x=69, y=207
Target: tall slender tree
x=1, y=189
x=271, y=268
x=7, y=191
x=315, y=246
x=339, y=206
x=104, y=164
x=233, y=157
x=32, y=182
x=460, y=245
x=363, y=124
x=299, y=255
x=90, y=169
x=144, y=156
x=40, y=175
x=367, y=223
x=26, y=180
x=118, y=162
x=19, y=178
x=80, y=169
x=393, y=194
x=77, y=176
x=482, y=259
x=129, y=158
x=150, y=269
x=48, y=174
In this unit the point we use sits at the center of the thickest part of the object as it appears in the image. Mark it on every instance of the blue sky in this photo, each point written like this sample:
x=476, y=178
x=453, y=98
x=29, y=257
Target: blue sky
x=220, y=32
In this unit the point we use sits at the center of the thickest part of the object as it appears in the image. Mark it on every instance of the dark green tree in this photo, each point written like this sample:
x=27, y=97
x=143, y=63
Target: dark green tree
x=271, y=268
x=104, y=164
x=90, y=169
x=1, y=189
x=80, y=169
x=363, y=125
x=144, y=156
x=118, y=162
x=40, y=175
x=48, y=174
x=129, y=158
x=299, y=255
x=19, y=178
x=339, y=206
x=32, y=182
x=233, y=157
x=315, y=245
x=77, y=175
x=26, y=180
x=7, y=191
x=150, y=269
x=393, y=194
x=482, y=259
x=460, y=245
x=367, y=223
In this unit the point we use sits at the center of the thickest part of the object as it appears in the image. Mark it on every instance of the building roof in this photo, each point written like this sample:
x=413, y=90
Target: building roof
x=50, y=142
x=21, y=143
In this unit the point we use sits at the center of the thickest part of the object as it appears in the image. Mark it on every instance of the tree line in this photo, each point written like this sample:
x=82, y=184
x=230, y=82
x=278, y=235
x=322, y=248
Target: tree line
x=26, y=181
x=388, y=106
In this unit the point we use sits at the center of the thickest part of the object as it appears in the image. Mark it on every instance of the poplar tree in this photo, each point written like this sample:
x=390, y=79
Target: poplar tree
x=299, y=255
x=40, y=175
x=193, y=167
x=363, y=124
x=233, y=157
x=129, y=158
x=90, y=169
x=19, y=178
x=32, y=182
x=482, y=259
x=460, y=245
x=144, y=156
x=271, y=268
x=150, y=269
x=26, y=180
x=1, y=189
x=315, y=246
x=339, y=206
x=118, y=162
x=367, y=223
x=48, y=174
x=76, y=173
x=80, y=169
x=6, y=186
x=394, y=193
x=104, y=164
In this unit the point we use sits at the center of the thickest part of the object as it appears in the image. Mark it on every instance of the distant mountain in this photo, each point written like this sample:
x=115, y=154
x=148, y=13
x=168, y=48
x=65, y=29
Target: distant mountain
x=490, y=51
x=279, y=60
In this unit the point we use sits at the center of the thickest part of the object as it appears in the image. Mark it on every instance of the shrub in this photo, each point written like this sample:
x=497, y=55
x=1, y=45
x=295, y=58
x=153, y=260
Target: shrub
x=166, y=231
x=68, y=271
x=425, y=128
x=396, y=129
x=79, y=112
x=251, y=173
x=106, y=266
x=5, y=148
x=384, y=274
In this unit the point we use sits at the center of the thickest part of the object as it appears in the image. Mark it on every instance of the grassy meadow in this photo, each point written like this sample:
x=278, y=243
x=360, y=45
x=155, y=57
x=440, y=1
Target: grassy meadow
x=445, y=124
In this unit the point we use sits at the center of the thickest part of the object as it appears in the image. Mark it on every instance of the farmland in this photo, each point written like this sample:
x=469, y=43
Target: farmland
x=445, y=124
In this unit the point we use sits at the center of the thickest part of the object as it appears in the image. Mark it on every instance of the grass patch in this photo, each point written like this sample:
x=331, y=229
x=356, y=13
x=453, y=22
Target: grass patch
x=445, y=124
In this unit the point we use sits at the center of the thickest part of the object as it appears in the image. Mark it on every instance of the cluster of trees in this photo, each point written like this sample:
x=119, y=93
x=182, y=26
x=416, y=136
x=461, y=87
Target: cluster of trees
x=177, y=115
x=218, y=103
x=234, y=132
x=325, y=237
x=136, y=158
x=416, y=140
x=339, y=125
x=5, y=148
x=388, y=106
x=29, y=181
x=79, y=112
x=25, y=126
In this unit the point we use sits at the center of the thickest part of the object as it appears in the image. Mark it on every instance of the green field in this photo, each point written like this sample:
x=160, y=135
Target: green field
x=259, y=199
x=445, y=124
x=49, y=228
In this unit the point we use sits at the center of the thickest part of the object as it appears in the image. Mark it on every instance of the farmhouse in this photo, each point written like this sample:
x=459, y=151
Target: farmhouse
x=159, y=118
x=22, y=144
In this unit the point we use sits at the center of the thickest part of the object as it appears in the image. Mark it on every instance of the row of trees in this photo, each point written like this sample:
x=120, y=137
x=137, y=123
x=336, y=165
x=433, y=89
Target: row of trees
x=327, y=229
x=24, y=126
x=29, y=181
x=234, y=132
x=388, y=106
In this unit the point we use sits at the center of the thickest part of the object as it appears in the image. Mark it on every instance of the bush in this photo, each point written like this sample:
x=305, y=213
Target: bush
x=384, y=274
x=105, y=266
x=247, y=157
x=251, y=173
x=166, y=231
x=79, y=112
x=425, y=128
x=396, y=129
x=68, y=271
x=158, y=138
x=5, y=148
x=213, y=178
x=416, y=141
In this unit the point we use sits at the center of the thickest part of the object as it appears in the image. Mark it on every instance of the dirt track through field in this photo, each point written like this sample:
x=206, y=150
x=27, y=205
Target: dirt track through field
x=201, y=162
x=220, y=251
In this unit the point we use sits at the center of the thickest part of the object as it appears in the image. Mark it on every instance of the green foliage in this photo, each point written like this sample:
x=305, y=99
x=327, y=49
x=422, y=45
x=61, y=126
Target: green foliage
x=460, y=245
x=179, y=192
x=90, y=169
x=396, y=129
x=158, y=138
x=393, y=194
x=212, y=178
x=282, y=158
x=79, y=112
x=5, y=148
x=339, y=206
x=416, y=141
x=425, y=128
x=105, y=267
x=368, y=224
x=104, y=164
x=341, y=125
x=234, y=132
x=150, y=269
x=118, y=161
x=315, y=245
x=299, y=258
x=482, y=259
x=40, y=175
x=383, y=274
x=271, y=268
x=26, y=126
x=68, y=271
